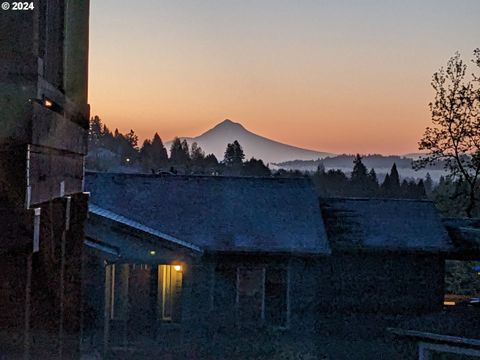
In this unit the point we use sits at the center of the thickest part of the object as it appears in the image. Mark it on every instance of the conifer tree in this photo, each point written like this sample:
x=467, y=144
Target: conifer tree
x=179, y=153
x=234, y=154
x=158, y=152
x=359, y=179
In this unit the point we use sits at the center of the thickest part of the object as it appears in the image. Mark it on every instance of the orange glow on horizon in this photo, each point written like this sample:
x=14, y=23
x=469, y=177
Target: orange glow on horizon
x=340, y=77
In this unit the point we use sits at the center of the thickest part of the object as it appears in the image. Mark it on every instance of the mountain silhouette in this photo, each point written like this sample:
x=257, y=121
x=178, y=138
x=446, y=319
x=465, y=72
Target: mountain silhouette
x=216, y=139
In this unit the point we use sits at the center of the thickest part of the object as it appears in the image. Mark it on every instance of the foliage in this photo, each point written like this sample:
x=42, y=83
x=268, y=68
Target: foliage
x=454, y=136
x=153, y=155
x=364, y=183
x=234, y=154
x=461, y=278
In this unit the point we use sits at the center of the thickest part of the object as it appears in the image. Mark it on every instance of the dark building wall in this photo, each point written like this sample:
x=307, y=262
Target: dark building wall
x=347, y=296
x=42, y=146
x=321, y=286
x=44, y=55
x=387, y=282
x=210, y=308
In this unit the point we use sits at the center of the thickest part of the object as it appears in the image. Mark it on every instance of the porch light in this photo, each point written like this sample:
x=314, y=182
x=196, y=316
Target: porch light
x=47, y=103
x=177, y=267
x=152, y=252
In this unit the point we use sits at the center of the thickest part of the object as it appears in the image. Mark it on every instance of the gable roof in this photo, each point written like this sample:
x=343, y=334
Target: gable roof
x=93, y=209
x=384, y=224
x=216, y=213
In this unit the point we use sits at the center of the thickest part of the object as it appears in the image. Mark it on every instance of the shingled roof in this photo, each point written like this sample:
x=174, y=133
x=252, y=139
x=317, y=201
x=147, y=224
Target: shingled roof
x=384, y=224
x=217, y=213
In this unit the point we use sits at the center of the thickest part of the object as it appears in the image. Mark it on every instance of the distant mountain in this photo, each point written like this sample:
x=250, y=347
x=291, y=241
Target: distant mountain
x=216, y=139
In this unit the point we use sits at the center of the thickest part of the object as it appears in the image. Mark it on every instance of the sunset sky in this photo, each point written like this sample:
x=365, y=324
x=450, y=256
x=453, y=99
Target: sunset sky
x=336, y=76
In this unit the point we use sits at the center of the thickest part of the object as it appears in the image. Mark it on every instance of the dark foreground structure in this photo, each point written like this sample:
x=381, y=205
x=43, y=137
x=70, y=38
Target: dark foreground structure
x=43, y=140
x=217, y=267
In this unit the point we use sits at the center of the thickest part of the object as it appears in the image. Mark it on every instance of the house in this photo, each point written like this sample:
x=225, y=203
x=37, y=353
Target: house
x=191, y=260
x=389, y=253
x=43, y=141
x=455, y=332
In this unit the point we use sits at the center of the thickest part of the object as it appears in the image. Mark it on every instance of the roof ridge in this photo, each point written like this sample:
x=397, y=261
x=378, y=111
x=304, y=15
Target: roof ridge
x=195, y=176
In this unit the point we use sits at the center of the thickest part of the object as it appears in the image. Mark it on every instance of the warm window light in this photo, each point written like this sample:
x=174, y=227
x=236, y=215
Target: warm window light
x=449, y=303
x=152, y=252
x=177, y=267
x=47, y=103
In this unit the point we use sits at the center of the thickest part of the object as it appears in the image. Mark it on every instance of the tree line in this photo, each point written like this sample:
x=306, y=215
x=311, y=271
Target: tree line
x=364, y=183
x=107, y=147
x=152, y=157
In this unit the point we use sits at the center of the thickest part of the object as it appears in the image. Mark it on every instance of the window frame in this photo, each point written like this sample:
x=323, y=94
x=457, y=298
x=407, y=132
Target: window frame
x=264, y=269
x=175, y=295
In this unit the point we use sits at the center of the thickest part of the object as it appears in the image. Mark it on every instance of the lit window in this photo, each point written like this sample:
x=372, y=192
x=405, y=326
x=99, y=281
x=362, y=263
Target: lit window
x=169, y=292
x=119, y=291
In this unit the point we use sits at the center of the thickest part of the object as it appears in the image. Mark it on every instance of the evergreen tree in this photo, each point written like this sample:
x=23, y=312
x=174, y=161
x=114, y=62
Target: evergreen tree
x=197, y=154
x=95, y=133
x=132, y=139
x=211, y=165
x=373, y=186
x=359, y=172
x=179, y=154
x=332, y=183
x=146, y=156
x=385, y=185
x=428, y=184
x=391, y=184
x=394, y=177
x=372, y=175
x=123, y=146
x=158, y=152
x=321, y=168
x=234, y=154
x=359, y=180
x=186, y=150
x=254, y=167
x=421, y=192
x=107, y=140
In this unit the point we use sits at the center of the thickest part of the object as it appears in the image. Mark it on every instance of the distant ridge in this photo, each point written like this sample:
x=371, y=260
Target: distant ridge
x=216, y=139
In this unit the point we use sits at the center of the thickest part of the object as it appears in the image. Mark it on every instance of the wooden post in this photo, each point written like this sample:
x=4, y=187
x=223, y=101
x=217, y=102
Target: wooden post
x=28, y=305
x=62, y=277
x=125, y=274
x=62, y=297
x=153, y=299
x=106, y=314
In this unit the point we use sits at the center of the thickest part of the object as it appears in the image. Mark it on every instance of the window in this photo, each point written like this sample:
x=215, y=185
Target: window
x=276, y=297
x=251, y=293
x=262, y=295
x=119, y=291
x=169, y=292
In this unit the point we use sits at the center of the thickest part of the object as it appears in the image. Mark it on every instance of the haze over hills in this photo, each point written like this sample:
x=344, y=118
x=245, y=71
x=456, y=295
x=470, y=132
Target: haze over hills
x=289, y=157
x=216, y=139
